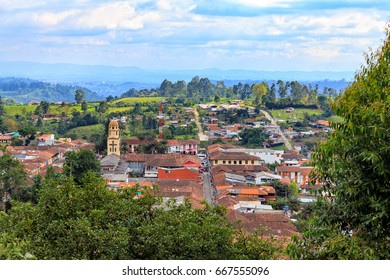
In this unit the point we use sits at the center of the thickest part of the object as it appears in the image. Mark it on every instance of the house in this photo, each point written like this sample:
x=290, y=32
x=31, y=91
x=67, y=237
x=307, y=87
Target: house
x=109, y=163
x=49, y=116
x=234, y=158
x=45, y=140
x=289, y=110
x=274, y=224
x=259, y=193
x=136, y=162
x=170, y=161
x=268, y=155
x=299, y=174
x=180, y=190
x=188, y=147
x=179, y=174
x=5, y=139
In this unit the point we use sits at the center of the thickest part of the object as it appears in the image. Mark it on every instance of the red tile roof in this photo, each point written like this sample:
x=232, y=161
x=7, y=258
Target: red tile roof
x=180, y=174
x=275, y=224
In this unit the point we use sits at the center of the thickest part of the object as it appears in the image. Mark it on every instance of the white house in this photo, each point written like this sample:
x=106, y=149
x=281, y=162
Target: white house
x=267, y=155
x=46, y=140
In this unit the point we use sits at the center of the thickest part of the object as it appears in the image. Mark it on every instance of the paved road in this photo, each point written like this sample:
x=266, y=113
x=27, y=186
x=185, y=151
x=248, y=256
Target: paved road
x=273, y=122
x=202, y=137
x=208, y=188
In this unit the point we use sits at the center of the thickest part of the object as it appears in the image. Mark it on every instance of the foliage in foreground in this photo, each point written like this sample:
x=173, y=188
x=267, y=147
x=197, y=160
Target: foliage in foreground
x=354, y=163
x=87, y=221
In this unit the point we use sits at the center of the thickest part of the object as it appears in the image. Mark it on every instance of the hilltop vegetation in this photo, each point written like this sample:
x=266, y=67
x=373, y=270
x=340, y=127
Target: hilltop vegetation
x=23, y=90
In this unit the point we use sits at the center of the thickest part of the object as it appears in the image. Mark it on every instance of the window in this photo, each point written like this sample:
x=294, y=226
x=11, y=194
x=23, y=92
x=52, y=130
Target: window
x=240, y=162
x=253, y=162
x=224, y=162
x=230, y=162
x=235, y=162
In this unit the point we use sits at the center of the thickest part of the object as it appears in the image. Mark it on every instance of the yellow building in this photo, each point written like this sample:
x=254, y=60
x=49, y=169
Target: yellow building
x=113, y=139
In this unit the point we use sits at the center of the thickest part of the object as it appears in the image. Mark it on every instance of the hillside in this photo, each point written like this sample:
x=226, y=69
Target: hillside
x=23, y=90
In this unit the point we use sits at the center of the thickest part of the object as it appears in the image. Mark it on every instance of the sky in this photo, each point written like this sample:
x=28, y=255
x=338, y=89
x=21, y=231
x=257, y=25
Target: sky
x=268, y=35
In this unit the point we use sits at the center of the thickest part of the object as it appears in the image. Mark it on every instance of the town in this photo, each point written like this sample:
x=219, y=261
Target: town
x=230, y=154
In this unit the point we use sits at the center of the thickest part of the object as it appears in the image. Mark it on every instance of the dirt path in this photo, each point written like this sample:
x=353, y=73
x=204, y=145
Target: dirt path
x=202, y=137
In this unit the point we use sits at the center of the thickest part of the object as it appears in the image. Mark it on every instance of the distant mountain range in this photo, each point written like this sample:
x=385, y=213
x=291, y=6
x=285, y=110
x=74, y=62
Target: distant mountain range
x=112, y=80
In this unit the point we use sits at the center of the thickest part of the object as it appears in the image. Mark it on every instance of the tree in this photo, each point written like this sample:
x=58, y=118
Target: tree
x=88, y=221
x=102, y=107
x=84, y=106
x=109, y=98
x=12, y=178
x=282, y=89
x=78, y=163
x=165, y=88
x=2, y=111
x=253, y=137
x=258, y=91
x=217, y=98
x=79, y=96
x=354, y=165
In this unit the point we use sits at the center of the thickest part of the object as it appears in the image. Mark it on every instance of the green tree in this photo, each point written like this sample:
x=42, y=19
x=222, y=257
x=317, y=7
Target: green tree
x=12, y=178
x=79, y=96
x=2, y=111
x=78, y=163
x=102, y=107
x=84, y=106
x=354, y=165
x=217, y=98
x=258, y=92
x=253, y=137
x=91, y=222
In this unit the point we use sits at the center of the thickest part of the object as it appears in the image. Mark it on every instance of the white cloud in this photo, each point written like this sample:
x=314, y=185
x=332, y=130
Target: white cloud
x=267, y=3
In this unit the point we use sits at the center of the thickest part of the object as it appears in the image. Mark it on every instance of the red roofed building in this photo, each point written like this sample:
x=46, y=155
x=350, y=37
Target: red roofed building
x=179, y=174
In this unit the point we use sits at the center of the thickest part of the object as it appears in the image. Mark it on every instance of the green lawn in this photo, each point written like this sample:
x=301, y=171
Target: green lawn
x=296, y=115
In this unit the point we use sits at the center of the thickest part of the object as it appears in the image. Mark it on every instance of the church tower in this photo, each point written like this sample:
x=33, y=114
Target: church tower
x=113, y=139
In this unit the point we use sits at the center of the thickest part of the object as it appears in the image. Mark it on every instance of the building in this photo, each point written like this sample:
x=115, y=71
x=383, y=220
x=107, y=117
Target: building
x=113, y=139
x=45, y=140
x=170, y=161
x=187, y=147
x=234, y=158
x=268, y=155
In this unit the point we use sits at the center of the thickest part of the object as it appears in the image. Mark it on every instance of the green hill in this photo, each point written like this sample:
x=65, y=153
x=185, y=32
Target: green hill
x=24, y=90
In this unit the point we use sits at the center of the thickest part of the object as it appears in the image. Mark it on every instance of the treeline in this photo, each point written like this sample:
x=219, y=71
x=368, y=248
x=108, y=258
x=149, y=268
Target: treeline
x=24, y=90
x=279, y=94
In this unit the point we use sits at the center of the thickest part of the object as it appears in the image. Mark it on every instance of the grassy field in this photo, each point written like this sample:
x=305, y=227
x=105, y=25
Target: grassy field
x=19, y=109
x=132, y=100
x=69, y=108
x=85, y=132
x=296, y=115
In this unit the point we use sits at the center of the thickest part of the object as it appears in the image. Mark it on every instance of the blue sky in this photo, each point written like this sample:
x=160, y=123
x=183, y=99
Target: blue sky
x=271, y=35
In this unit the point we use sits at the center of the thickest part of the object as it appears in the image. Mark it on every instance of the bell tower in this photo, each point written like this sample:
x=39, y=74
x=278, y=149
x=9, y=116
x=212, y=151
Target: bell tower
x=113, y=139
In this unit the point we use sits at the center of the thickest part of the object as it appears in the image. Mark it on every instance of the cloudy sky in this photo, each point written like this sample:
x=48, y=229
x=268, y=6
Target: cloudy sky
x=276, y=35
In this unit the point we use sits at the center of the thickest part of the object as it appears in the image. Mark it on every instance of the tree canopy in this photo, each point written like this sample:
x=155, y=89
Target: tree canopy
x=88, y=221
x=353, y=220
